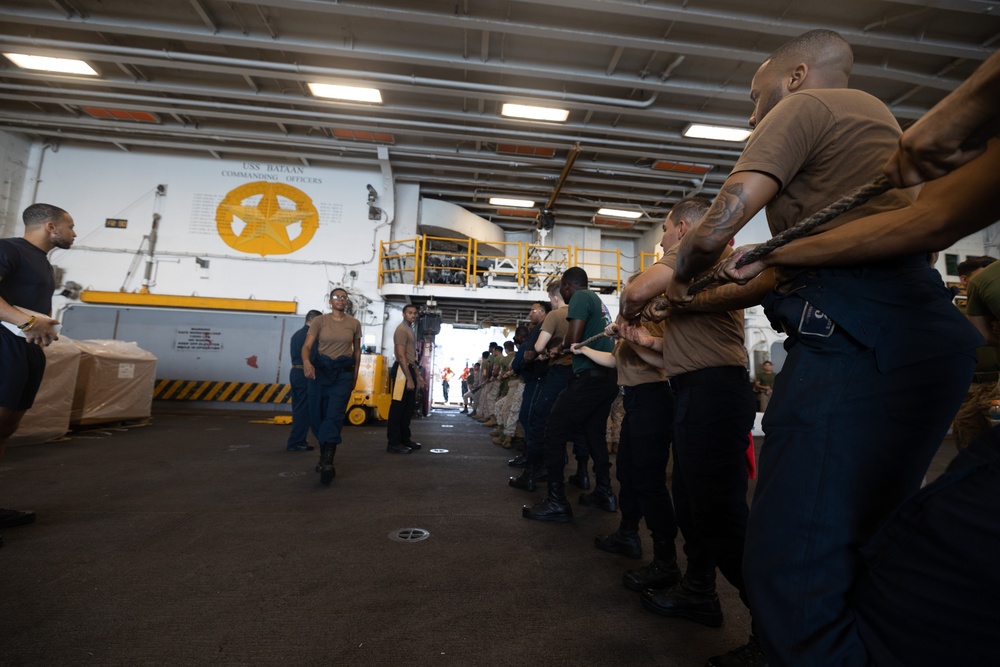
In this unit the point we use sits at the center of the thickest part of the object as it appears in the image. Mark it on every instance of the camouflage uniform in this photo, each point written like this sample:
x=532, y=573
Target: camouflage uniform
x=615, y=423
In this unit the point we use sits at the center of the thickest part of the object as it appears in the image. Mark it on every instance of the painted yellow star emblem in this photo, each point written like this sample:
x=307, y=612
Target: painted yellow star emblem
x=266, y=220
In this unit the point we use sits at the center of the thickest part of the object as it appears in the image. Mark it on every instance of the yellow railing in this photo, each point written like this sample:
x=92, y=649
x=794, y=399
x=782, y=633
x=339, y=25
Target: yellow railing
x=505, y=270
x=446, y=261
x=395, y=263
x=584, y=256
x=436, y=260
x=647, y=259
x=544, y=263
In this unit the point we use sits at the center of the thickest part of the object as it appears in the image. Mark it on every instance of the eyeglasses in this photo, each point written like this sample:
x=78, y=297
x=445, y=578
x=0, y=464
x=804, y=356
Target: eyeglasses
x=536, y=310
x=337, y=297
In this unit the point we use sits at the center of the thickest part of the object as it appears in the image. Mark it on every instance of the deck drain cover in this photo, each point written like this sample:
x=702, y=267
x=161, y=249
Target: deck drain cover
x=438, y=451
x=290, y=474
x=409, y=535
x=235, y=447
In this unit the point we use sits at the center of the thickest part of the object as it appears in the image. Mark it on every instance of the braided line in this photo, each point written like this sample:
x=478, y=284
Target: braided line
x=877, y=186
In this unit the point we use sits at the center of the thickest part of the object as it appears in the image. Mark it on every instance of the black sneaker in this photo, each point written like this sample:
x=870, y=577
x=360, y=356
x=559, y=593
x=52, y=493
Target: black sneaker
x=413, y=445
x=304, y=447
x=11, y=518
x=748, y=655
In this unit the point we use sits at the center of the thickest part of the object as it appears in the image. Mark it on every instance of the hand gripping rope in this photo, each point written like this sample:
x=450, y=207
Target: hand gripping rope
x=872, y=189
x=877, y=186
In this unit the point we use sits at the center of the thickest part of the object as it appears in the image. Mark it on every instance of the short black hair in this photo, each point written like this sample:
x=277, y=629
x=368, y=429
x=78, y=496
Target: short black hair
x=545, y=305
x=410, y=305
x=972, y=263
x=576, y=277
x=311, y=315
x=824, y=49
x=39, y=214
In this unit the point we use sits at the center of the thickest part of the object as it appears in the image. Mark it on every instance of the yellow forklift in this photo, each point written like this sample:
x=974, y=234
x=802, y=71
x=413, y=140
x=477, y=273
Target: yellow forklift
x=371, y=397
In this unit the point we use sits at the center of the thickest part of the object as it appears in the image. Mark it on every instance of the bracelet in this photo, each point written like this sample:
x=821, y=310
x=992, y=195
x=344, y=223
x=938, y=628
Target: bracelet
x=30, y=323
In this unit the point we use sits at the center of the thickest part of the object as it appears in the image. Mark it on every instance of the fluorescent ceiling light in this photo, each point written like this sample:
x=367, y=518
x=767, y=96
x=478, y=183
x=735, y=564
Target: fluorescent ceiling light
x=618, y=213
x=696, y=131
x=517, y=203
x=534, y=113
x=351, y=93
x=47, y=64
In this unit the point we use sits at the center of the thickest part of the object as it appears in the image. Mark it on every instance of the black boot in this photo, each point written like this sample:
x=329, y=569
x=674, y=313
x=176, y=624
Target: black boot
x=624, y=541
x=326, y=470
x=602, y=497
x=526, y=480
x=694, y=598
x=661, y=573
x=555, y=507
x=581, y=479
x=518, y=461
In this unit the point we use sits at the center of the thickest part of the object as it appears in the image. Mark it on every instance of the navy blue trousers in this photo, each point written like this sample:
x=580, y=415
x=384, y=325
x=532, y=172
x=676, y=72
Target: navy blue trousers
x=928, y=596
x=329, y=394
x=524, y=412
x=643, y=453
x=300, y=407
x=850, y=432
x=548, y=390
x=714, y=411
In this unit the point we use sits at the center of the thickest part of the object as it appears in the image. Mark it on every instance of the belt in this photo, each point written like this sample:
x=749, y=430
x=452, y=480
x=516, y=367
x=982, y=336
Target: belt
x=980, y=378
x=627, y=390
x=593, y=373
x=707, y=375
x=297, y=366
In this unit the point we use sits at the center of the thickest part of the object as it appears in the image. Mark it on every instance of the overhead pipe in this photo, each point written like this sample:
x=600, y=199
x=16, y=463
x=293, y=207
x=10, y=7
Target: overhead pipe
x=520, y=135
x=156, y=58
x=133, y=27
x=710, y=149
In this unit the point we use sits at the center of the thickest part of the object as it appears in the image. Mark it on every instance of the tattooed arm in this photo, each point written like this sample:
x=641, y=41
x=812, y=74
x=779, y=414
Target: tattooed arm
x=742, y=195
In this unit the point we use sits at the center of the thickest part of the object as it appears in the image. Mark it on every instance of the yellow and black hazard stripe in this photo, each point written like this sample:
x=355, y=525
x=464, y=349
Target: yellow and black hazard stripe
x=232, y=392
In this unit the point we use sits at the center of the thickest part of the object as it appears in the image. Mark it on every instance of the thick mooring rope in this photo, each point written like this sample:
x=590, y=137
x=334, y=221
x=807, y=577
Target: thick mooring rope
x=873, y=189
x=876, y=187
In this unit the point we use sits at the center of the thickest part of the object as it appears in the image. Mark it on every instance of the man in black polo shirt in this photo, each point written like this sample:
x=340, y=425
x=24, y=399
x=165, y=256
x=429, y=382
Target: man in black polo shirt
x=27, y=284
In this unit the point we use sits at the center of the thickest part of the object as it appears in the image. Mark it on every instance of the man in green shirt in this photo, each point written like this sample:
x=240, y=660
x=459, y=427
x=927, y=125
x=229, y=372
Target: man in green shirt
x=764, y=384
x=582, y=407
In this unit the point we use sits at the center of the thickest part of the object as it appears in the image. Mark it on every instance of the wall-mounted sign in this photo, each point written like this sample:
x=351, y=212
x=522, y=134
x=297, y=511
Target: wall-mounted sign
x=199, y=339
x=115, y=223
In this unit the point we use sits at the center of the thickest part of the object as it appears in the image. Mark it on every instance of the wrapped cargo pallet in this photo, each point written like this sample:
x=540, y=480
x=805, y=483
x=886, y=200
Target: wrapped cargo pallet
x=49, y=417
x=115, y=382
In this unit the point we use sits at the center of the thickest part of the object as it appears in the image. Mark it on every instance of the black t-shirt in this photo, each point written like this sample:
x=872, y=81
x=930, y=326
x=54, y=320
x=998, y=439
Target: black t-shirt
x=26, y=279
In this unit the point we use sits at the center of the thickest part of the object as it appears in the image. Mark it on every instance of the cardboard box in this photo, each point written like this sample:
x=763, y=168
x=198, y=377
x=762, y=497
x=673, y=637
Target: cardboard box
x=49, y=417
x=115, y=382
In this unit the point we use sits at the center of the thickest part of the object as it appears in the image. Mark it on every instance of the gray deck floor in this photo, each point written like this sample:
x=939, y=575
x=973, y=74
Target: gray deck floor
x=198, y=540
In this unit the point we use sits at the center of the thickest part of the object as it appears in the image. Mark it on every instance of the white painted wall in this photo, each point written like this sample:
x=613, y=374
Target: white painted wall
x=15, y=167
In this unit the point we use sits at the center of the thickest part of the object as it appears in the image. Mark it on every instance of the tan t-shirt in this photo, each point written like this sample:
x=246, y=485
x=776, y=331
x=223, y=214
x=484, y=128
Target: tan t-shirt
x=336, y=338
x=555, y=323
x=632, y=370
x=693, y=341
x=821, y=145
x=404, y=336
